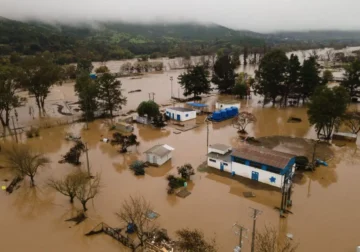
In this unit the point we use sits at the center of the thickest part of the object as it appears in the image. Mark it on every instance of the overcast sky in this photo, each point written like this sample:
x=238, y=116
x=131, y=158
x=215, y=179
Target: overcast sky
x=256, y=15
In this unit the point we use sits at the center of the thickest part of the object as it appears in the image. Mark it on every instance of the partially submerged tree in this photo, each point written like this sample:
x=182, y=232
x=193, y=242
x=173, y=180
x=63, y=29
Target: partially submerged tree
x=87, y=91
x=124, y=140
x=73, y=155
x=309, y=78
x=69, y=185
x=88, y=189
x=352, y=79
x=194, y=241
x=24, y=161
x=195, y=81
x=352, y=121
x=135, y=211
x=243, y=120
x=102, y=69
x=327, y=77
x=269, y=241
x=326, y=109
x=84, y=64
x=9, y=100
x=39, y=75
x=186, y=171
x=148, y=108
x=224, y=74
x=291, y=84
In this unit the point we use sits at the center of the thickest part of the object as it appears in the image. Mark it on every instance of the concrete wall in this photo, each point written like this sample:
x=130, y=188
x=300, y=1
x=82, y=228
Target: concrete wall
x=220, y=105
x=217, y=164
x=158, y=160
x=264, y=176
x=218, y=151
x=184, y=115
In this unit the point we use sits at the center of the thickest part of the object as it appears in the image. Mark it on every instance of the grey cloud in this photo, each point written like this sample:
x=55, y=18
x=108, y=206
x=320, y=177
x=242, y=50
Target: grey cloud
x=256, y=15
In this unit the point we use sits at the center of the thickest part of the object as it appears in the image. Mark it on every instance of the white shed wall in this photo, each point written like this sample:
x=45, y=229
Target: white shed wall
x=158, y=160
x=183, y=117
x=217, y=164
x=218, y=151
x=264, y=176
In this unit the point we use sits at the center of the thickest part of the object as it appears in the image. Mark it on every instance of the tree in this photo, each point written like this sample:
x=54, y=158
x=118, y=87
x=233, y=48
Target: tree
x=135, y=210
x=327, y=77
x=271, y=74
x=87, y=91
x=110, y=93
x=326, y=108
x=84, y=65
x=70, y=72
x=309, y=78
x=126, y=68
x=39, y=75
x=352, y=79
x=246, y=54
x=224, y=74
x=73, y=155
x=88, y=189
x=352, y=121
x=241, y=89
x=186, y=171
x=243, y=120
x=329, y=54
x=124, y=141
x=292, y=78
x=269, y=241
x=102, y=69
x=8, y=99
x=69, y=185
x=194, y=241
x=195, y=81
x=236, y=57
x=149, y=108
x=25, y=161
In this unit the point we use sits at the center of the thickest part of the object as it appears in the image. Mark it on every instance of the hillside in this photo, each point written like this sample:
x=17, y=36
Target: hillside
x=325, y=35
x=116, y=40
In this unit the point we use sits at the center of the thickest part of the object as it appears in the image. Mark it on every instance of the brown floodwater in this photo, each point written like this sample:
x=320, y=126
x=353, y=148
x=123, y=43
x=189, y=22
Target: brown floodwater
x=324, y=202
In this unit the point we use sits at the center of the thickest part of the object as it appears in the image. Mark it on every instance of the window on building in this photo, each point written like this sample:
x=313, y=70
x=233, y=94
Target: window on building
x=187, y=115
x=212, y=160
x=254, y=164
x=239, y=160
x=225, y=164
x=273, y=170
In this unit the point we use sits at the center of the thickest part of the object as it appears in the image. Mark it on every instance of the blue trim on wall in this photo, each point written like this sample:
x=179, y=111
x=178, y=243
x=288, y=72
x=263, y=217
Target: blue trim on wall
x=264, y=167
x=247, y=162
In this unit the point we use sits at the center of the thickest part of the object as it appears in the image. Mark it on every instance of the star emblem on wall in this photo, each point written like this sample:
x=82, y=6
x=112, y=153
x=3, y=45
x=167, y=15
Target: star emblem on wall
x=272, y=179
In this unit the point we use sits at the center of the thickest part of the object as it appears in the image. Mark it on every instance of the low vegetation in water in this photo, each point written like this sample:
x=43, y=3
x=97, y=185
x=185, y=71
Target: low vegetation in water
x=138, y=167
x=32, y=132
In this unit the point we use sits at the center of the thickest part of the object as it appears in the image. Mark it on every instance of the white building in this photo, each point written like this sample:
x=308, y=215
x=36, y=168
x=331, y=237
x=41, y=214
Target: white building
x=180, y=113
x=159, y=154
x=219, y=157
x=256, y=163
x=227, y=104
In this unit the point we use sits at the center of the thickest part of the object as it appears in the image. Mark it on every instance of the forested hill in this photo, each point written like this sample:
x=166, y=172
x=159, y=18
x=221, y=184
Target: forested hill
x=321, y=35
x=116, y=40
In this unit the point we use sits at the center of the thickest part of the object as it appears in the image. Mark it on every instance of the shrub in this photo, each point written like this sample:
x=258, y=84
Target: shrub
x=32, y=132
x=186, y=171
x=174, y=183
x=138, y=167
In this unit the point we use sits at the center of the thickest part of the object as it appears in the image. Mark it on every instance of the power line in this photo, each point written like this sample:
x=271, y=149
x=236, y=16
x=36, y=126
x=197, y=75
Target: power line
x=254, y=215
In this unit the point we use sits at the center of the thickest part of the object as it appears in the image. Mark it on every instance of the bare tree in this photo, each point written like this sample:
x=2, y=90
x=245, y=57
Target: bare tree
x=135, y=211
x=243, y=120
x=88, y=190
x=269, y=241
x=194, y=241
x=25, y=161
x=329, y=55
x=303, y=54
x=69, y=185
x=352, y=121
x=314, y=53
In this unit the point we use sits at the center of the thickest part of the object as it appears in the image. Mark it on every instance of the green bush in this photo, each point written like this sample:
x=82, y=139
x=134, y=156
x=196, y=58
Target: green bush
x=174, y=183
x=32, y=132
x=138, y=167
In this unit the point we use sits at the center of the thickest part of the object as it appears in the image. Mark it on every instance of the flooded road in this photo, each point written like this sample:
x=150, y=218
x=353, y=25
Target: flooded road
x=324, y=202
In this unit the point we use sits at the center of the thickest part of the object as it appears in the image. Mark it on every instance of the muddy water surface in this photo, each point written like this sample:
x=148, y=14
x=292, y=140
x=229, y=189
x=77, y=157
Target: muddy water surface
x=33, y=219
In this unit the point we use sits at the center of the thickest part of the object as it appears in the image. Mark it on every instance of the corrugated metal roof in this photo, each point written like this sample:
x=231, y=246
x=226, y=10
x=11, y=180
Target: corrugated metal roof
x=159, y=150
x=225, y=157
x=263, y=156
x=181, y=109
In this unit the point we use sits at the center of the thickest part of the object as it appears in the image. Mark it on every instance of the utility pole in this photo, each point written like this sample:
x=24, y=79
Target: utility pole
x=171, y=79
x=87, y=159
x=254, y=216
x=313, y=157
x=12, y=119
x=238, y=230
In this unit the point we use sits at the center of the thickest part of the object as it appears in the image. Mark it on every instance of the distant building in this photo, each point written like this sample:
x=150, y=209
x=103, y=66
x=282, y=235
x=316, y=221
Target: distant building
x=180, y=113
x=344, y=136
x=256, y=163
x=159, y=154
x=124, y=127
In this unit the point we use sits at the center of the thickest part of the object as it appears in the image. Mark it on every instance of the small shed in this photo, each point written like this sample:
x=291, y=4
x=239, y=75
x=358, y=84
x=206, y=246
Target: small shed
x=219, y=157
x=199, y=107
x=124, y=127
x=180, y=113
x=227, y=104
x=344, y=136
x=159, y=154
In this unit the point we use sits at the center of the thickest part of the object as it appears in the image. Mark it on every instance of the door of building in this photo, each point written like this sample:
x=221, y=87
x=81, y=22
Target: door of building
x=178, y=117
x=173, y=116
x=255, y=176
x=221, y=166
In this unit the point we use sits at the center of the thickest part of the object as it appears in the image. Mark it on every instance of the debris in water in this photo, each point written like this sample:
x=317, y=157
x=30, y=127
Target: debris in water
x=183, y=193
x=248, y=194
x=13, y=184
x=176, y=132
x=152, y=215
x=294, y=119
x=78, y=218
x=134, y=91
x=290, y=236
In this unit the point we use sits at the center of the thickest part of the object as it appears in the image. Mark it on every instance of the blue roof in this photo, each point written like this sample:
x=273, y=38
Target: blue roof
x=199, y=105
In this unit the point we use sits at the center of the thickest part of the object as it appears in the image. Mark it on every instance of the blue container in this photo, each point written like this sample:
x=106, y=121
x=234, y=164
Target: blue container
x=216, y=116
x=235, y=111
x=93, y=76
x=229, y=112
x=224, y=114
